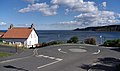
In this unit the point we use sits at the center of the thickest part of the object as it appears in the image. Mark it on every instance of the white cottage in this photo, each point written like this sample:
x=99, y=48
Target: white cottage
x=21, y=36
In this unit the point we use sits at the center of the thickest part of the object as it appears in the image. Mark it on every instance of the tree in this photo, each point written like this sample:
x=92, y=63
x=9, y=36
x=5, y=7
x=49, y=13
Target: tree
x=73, y=39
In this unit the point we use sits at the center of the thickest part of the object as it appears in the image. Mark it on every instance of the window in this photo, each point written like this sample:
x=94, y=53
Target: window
x=30, y=42
x=34, y=36
x=31, y=35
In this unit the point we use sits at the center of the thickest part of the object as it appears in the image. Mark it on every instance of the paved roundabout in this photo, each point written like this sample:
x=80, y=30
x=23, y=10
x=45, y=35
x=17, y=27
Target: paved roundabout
x=78, y=50
x=59, y=58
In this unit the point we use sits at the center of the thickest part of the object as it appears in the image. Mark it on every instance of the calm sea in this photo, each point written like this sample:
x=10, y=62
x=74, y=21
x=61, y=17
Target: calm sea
x=64, y=35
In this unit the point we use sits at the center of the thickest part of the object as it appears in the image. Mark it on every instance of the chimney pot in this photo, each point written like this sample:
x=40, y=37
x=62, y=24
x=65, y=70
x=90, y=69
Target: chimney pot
x=11, y=26
x=32, y=26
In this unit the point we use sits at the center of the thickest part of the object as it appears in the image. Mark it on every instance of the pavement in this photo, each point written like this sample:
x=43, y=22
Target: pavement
x=66, y=57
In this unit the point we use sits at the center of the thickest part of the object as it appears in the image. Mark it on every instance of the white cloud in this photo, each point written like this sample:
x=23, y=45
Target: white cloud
x=2, y=23
x=89, y=13
x=65, y=1
x=104, y=4
x=41, y=7
x=67, y=11
x=77, y=5
x=72, y=5
x=99, y=18
x=30, y=1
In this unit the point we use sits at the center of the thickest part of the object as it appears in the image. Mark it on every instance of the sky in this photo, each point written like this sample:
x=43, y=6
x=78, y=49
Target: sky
x=59, y=14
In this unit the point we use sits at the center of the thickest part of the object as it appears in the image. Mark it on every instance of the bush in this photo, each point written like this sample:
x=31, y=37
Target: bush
x=44, y=44
x=1, y=40
x=54, y=42
x=50, y=43
x=73, y=39
x=90, y=41
x=112, y=43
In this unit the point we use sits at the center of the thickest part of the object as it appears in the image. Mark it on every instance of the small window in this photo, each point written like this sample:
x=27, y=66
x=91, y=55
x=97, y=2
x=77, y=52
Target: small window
x=31, y=35
x=30, y=42
x=34, y=36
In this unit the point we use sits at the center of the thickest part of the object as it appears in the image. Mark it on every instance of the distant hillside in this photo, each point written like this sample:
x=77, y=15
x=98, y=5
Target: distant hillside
x=100, y=28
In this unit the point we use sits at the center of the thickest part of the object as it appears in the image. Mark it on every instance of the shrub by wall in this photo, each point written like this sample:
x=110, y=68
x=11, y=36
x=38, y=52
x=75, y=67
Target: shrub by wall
x=73, y=39
x=112, y=43
x=90, y=41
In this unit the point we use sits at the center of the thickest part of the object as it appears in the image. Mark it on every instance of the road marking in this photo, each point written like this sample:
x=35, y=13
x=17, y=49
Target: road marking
x=93, y=65
x=49, y=57
x=60, y=50
x=45, y=56
x=39, y=55
x=13, y=59
x=48, y=64
x=16, y=59
x=96, y=52
x=58, y=59
x=35, y=52
x=81, y=47
x=52, y=57
x=77, y=50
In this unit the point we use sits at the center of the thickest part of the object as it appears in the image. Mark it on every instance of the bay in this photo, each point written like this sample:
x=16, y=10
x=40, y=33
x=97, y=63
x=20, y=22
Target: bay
x=64, y=35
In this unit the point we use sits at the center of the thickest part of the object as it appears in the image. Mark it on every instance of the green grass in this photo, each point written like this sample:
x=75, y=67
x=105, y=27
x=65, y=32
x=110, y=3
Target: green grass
x=4, y=54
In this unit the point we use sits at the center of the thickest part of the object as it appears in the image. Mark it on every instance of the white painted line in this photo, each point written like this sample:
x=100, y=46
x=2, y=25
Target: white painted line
x=45, y=56
x=96, y=52
x=81, y=47
x=35, y=52
x=61, y=51
x=13, y=59
x=51, y=57
x=47, y=64
x=40, y=55
x=16, y=59
x=58, y=59
x=96, y=63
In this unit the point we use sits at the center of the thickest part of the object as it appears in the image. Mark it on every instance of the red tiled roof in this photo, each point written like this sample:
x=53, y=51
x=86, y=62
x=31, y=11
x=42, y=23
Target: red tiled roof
x=18, y=33
x=1, y=34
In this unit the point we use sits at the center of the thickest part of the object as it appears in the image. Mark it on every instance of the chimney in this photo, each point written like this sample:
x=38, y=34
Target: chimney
x=32, y=26
x=11, y=26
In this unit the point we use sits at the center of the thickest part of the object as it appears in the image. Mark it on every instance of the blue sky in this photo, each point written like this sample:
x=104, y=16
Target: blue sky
x=59, y=14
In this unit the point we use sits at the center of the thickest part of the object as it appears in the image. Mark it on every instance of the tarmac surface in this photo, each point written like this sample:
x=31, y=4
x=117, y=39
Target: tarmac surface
x=66, y=57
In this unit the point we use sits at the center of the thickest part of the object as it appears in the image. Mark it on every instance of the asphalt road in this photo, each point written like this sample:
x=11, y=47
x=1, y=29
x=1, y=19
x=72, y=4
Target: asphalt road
x=64, y=58
x=7, y=49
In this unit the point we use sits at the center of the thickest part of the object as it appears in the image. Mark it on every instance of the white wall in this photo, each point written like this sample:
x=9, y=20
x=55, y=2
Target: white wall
x=14, y=41
x=32, y=39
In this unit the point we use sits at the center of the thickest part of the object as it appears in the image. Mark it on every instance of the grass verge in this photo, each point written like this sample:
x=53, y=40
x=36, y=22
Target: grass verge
x=4, y=54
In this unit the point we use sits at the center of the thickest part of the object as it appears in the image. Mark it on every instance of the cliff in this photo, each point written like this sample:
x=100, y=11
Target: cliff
x=100, y=28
